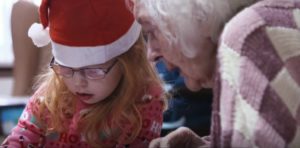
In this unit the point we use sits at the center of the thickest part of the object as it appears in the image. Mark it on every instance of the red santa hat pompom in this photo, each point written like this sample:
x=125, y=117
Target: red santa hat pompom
x=86, y=32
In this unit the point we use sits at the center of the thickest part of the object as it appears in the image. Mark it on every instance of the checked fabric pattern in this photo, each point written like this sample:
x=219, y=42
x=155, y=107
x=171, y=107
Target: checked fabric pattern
x=257, y=99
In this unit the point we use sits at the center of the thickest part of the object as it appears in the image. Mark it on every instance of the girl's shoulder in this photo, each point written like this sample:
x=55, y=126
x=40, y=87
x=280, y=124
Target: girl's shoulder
x=153, y=97
x=150, y=108
x=152, y=91
x=35, y=104
x=38, y=97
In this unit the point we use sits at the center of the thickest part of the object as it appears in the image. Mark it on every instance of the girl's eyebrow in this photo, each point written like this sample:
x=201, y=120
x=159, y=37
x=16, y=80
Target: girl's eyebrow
x=93, y=67
x=86, y=67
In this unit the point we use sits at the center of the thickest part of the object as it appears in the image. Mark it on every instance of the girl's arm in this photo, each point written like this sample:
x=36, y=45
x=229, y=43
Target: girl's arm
x=27, y=132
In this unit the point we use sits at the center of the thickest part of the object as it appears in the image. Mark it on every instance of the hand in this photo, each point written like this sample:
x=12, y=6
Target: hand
x=182, y=137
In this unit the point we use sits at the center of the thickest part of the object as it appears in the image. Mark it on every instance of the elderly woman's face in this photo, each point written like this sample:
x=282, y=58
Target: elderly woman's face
x=197, y=71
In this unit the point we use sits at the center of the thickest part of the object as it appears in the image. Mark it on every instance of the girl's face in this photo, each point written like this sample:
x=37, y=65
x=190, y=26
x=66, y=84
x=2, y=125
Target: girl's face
x=96, y=89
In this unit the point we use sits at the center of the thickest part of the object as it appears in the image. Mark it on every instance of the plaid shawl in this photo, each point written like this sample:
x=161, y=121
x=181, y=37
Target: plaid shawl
x=257, y=92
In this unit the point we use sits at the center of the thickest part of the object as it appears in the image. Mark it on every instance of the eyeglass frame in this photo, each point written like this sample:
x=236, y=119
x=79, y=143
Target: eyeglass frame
x=105, y=71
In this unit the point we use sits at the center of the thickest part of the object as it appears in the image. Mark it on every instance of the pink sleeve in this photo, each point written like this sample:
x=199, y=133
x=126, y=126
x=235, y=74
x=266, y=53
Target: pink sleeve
x=27, y=132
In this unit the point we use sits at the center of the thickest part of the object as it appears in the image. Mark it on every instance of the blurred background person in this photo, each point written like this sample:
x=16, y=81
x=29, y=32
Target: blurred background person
x=17, y=51
x=29, y=60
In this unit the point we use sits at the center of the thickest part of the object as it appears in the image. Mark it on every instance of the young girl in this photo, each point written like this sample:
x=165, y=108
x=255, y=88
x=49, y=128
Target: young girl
x=100, y=90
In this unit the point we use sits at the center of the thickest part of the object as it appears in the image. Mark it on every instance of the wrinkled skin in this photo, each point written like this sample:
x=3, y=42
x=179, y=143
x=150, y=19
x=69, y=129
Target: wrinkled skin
x=180, y=138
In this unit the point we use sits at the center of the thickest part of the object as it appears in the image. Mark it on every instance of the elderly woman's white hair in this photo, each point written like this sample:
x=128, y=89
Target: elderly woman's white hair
x=181, y=20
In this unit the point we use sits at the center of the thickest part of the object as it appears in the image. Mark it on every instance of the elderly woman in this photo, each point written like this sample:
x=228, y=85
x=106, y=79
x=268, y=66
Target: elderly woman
x=252, y=64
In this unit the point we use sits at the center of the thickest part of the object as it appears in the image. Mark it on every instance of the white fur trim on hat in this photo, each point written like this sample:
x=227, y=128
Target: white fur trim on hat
x=75, y=57
x=39, y=35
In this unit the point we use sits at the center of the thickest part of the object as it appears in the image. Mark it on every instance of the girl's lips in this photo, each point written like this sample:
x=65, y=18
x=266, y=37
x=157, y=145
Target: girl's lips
x=84, y=96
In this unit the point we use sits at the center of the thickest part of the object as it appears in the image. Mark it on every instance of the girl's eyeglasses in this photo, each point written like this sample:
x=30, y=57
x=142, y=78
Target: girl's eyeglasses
x=90, y=73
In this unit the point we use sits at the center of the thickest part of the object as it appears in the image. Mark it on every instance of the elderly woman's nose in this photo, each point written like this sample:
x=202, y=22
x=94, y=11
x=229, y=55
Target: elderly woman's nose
x=153, y=55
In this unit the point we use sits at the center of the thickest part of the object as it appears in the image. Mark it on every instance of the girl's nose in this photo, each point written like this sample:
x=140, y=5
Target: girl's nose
x=79, y=79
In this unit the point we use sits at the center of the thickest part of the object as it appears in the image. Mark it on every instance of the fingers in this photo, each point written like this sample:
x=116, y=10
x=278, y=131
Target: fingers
x=156, y=143
x=182, y=137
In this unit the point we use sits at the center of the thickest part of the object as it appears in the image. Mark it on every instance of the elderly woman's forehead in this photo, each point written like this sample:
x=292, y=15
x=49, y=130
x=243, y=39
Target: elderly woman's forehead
x=145, y=20
x=141, y=12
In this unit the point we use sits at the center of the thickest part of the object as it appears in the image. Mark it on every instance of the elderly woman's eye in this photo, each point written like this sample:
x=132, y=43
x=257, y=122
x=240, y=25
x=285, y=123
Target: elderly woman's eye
x=145, y=36
x=151, y=36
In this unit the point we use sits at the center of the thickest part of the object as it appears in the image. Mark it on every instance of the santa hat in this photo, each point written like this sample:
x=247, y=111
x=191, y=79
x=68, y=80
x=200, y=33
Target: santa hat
x=86, y=32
